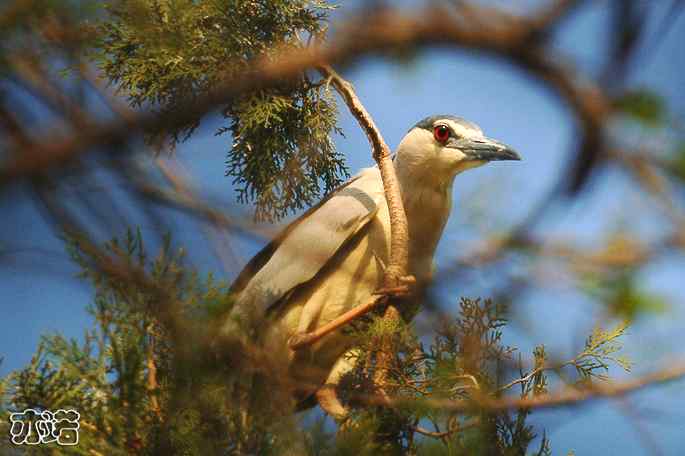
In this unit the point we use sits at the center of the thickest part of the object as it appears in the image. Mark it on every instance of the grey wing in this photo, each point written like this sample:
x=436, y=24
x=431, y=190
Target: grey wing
x=307, y=245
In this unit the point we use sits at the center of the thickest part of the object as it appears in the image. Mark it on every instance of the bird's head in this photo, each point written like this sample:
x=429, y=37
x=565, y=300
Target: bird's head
x=440, y=147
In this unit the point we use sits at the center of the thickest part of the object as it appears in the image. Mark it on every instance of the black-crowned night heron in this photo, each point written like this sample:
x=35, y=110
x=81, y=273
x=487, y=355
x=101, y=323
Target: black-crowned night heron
x=332, y=258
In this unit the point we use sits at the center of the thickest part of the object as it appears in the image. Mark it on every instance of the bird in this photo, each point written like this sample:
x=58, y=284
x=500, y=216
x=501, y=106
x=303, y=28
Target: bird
x=332, y=258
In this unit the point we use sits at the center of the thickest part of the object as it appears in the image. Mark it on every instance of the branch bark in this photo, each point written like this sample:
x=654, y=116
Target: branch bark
x=396, y=269
x=152, y=384
x=399, y=231
x=304, y=340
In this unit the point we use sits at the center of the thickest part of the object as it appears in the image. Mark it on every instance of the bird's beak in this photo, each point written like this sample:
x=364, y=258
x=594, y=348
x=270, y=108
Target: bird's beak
x=484, y=149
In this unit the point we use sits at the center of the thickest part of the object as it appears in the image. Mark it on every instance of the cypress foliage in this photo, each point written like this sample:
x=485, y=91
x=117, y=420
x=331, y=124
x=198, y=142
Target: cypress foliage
x=165, y=53
x=145, y=387
x=142, y=389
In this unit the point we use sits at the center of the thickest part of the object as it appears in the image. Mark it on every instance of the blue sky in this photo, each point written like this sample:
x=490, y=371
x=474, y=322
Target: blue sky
x=40, y=293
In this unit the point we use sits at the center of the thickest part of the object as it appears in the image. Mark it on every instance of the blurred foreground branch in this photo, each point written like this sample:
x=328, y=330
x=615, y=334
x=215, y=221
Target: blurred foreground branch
x=511, y=38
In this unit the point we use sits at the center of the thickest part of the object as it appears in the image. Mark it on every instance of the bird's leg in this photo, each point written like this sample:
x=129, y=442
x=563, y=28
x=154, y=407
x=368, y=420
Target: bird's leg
x=403, y=288
x=327, y=396
x=329, y=402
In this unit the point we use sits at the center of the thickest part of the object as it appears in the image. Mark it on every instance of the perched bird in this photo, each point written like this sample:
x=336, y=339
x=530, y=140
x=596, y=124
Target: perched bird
x=332, y=258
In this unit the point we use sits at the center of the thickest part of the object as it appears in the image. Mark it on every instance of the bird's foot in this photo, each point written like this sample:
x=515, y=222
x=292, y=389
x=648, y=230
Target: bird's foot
x=298, y=340
x=408, y=280
x=403, y=288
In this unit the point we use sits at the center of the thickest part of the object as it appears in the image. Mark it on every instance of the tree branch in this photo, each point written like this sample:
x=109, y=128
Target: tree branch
x=300, y=341
x=451, y=429
x=152, y=384
x=399, y=231
x=379, y=31
x=565, y=397
x=396, y=270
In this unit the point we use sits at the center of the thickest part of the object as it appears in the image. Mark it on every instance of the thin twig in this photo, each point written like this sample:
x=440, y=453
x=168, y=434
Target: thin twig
x=451, y=430
x=565, y=397
x=300, y=341
x=222, y=245
x=399, y=231
x=152, y=383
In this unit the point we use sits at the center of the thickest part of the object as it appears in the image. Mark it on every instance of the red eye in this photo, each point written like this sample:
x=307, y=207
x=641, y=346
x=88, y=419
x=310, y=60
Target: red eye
x=441, y=133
